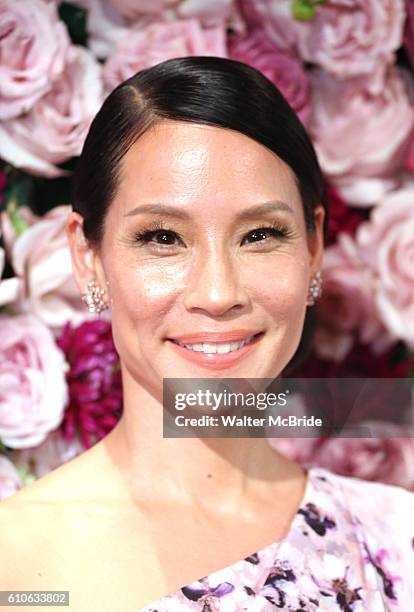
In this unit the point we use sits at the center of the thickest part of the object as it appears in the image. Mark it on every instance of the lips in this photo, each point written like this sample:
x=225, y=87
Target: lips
x=209, y=347
x=236, y=335
x=214, y=359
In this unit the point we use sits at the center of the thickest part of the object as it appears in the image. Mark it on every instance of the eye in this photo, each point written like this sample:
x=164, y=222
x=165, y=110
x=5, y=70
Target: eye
x=275, y=231
x=159, y=237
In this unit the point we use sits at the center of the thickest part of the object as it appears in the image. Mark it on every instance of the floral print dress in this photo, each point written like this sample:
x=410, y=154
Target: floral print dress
x=350, y=547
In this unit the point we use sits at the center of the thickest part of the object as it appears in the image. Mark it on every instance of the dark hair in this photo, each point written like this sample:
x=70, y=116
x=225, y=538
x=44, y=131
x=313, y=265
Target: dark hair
x=207, y=90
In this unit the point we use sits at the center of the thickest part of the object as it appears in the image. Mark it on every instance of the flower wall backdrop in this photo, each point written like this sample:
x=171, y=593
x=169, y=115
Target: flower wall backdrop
x=345, y=66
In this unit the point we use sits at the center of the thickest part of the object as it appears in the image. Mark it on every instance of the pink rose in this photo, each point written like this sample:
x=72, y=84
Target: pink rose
x=345, y=37
x=362, y=139
x=347, y=308
x=205, y=10
x=33, y=50
x=280, y=67
x=147, y=46
x=275, y=17
x=109, y=21
x=386, y=244
x=387, y=456
x=105, y=26
x=133, y=9
x=53, y=452
x=10, y=481
x=297, y=449
x=41, y=257
x=33, y=389
x=55, y=128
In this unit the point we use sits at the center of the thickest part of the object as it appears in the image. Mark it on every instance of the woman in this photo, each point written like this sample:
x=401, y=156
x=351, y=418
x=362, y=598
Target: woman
x=198, y=219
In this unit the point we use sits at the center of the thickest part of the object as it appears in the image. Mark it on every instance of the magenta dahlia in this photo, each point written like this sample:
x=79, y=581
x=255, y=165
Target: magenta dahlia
x=94, y=381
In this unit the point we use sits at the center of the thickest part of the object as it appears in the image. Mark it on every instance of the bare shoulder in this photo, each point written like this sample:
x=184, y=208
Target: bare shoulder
x=31, y=524
x=71, y=515
x=73, y=482
x=40, y=522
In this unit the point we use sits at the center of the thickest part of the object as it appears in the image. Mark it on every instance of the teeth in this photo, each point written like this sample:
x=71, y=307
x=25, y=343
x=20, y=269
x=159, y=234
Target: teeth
x=224, y=348
x=196, y=347
x=209, y=348
x=215, y=348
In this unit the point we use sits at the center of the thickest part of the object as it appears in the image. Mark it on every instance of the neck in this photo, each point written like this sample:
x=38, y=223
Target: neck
x=215, y=472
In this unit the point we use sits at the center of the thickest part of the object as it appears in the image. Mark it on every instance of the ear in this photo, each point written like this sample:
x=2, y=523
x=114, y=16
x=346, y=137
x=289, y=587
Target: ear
x=315, y=242
x=86, y=263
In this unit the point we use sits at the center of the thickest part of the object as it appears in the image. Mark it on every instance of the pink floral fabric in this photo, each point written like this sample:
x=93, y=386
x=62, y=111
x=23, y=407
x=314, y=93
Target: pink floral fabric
x=349, y=548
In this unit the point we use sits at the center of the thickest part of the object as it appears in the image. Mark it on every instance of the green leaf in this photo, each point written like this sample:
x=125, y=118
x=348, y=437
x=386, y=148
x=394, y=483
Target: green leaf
x=26, y=475
x=75, y=19
x=19, y=224
x=19, y=187
x=303, y=10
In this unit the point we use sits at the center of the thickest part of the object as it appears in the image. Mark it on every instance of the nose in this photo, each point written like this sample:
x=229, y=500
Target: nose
x=214, y=285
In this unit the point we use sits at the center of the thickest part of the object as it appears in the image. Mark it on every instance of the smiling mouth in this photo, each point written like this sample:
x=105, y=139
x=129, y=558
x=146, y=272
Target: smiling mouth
x=221, y=348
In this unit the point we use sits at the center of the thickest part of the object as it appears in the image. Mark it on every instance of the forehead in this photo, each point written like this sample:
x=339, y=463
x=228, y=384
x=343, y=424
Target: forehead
x=187, y=162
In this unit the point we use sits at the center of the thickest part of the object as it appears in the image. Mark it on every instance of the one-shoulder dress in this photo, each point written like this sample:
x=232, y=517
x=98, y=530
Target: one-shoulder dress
x=350, y=547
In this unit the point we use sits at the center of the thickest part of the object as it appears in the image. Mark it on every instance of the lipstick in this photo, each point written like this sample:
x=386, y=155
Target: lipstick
x=234, y=335
x=215, y=360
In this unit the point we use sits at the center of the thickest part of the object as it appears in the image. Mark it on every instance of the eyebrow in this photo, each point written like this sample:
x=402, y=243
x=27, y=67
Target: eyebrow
x=179, y=213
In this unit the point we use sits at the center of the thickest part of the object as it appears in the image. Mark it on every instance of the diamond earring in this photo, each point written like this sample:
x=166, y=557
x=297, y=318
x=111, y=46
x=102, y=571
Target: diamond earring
x=93, y=298
x=315, y=289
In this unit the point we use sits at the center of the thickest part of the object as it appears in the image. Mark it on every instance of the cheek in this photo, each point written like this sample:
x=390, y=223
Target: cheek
x=148, y=290
x=144, y=291
x=284, y=291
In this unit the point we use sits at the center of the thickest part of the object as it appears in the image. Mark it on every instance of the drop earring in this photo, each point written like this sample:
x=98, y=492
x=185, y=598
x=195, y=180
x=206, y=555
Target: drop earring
x=93, y=298
x=315, y=289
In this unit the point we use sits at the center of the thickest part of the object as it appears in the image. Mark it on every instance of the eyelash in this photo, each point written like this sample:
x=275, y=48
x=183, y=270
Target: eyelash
x=145, y=236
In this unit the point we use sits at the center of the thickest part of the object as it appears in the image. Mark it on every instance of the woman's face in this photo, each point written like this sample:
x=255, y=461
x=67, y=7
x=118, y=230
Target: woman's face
x=205, y=243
